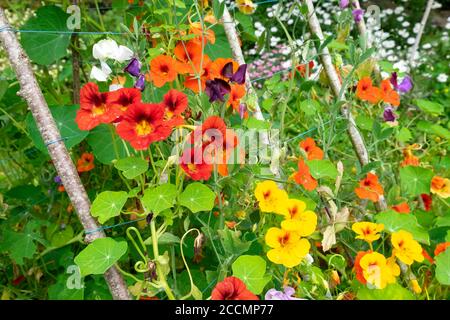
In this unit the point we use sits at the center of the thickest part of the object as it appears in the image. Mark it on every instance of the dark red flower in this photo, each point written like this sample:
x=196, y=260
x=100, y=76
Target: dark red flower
x=175, y=103
x=195, y=165
x=232, y=288
x=95, y=108
x=214, y=131
x=427, y=201
x=125, y=97
x=216, y=89
x=143, y=124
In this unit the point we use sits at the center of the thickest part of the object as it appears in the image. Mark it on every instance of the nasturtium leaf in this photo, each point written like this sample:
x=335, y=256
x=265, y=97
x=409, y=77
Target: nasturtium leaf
x=46, y=47
x=310, y=106
x=197, y=197
x=443, y=267
x=322, y=169
x=430, y=107
x=65, y=121
x=394, y=221
x=61, y=291
x=232, y=243
x=100, y=255
x=20, y=245
x=108, y=204
x=131, y=167
x=440, y=131
x=443, y=221
x=415, y=180
x=253, y=123
x=106, y=144
x=159, y=198
x=61, y=237
x=404, y=135
x=221, y=48
x=252, y=271
x=392, y=291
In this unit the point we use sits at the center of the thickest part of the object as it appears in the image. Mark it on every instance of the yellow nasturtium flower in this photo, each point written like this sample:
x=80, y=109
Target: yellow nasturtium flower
x=376, y=270
x=367, y=231
x=299, y=219
x=270, y=197
x=440, y=186
x=246, y=6
x=405, y=248
x=288, y=248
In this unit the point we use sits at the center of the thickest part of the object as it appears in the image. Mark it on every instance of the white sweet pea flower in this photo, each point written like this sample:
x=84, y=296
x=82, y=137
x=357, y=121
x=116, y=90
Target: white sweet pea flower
x=109, y=49
x=101, y=74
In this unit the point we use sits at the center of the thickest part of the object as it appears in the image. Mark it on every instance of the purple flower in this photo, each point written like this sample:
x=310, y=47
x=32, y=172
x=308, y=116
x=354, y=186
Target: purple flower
x=57, y=180
x=344, y=4
x=389, y=115
x=239, y=76
x=405, y=86
x=274, y=294
x=140, y=83
x=227, y=70
x=216, y=89
x=133, y=68
x=358, y=15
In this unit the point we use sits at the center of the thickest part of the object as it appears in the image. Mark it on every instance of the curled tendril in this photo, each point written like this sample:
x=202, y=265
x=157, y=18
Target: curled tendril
x=141, y=267
x=185, y=263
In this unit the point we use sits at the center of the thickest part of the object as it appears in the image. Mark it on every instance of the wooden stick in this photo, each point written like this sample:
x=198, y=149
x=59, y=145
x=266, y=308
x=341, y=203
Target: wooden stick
x=423, y=23
x=325, y=57
x=30, y=91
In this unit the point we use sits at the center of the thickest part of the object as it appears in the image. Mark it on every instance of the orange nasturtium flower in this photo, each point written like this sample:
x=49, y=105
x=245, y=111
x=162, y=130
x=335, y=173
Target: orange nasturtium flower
x=440, y=186
x=86, y=162
x=190, y=56
x=270, y=197
x=303, y=176
x=402, y=208
x=163, y=69
x=405, y=248
x=367, y=231
x=312, y=150
x=357, y=267
x=388, y=94
x=236, y=94
x=288, y=248
x=409, y=158
x=369, y=188
x=196, y=28
x=299, y=219
x=367, y=92
x=209, y=72
x=376, y=270
x=441, y=247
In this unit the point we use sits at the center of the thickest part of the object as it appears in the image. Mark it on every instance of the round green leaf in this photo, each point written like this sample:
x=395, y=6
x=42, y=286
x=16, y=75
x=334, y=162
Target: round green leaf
x=391, y=292
x=415, y=180
x=131, y=167
x=108, y=204
x=42, y=47
x=64, y=117
x=197, y=197
x=252, y=271
x=104, y=143
x=100, y=255
x=160, y=198
x=322, y=169
x=443, y=267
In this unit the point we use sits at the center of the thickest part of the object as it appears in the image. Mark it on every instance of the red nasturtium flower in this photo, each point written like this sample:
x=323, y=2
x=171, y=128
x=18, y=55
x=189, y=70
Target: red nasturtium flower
x=441, y=247
x=427, y=201
x=369, y=188
x=236, y=94
x=175, y=103
x=427, y=256
x=163, y=69
x=86, y=162
x=303, y=176
x=95, y=108
x=125, y=97
x=194, y=164
x=313, y=152
x=302, y=68
x=143, y=124
x=232, y=288
x=388, y=94
x=357, y=266
x=402, y=208
x=367, y=92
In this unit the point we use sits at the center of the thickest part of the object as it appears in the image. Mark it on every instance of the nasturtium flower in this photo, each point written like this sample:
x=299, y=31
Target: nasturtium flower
x=222, y=65
x=175, y=103
x=194, y=164
x=303, y=176
x=402, y=208
x=143, y=124
x=367, y=92
x=246, y=6
x=86, y=162
x=312, y=150
x=388, y=94
x=409, y=158
x=125, y=97
x=427, y=201
x=232, y=288
x=163, y=69
x=189, y=55
x=196, y=28
x=288, y=248
x=369, y=188
x=302, y=68
x=95, y=108
x=357, y=267
x=236, y=94
x=299, y=219
x=270, y=197
x=441, y=247
x=405, y=248
x=376, y=271
x=367, y=231
x=209, y=72
x=415, y=286
x=440, y=187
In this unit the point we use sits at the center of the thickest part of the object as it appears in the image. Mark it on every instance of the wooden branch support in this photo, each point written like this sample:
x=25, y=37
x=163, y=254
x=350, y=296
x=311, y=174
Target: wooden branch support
x=325, y=57
x=31, y=92
x=423, y=23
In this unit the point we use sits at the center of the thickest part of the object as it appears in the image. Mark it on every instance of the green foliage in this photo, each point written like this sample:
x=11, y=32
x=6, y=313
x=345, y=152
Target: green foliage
x=108, y=204
x=415, y=180
x=197, y=197
x=252, y=271
x=391, y=292
x=159, y=198
x=131, y=167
